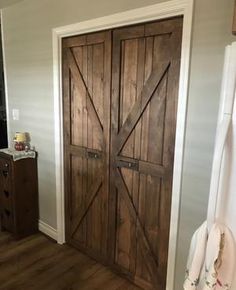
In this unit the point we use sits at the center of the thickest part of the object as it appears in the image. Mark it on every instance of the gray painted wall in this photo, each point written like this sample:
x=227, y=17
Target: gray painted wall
x=28, y=44
x=6, y=3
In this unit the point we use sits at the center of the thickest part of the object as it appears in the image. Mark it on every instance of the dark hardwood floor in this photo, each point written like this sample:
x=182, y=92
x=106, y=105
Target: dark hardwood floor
x=37, y=263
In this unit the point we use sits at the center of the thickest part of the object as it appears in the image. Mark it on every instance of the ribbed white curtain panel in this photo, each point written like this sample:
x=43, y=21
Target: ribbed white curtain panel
x=226, y=204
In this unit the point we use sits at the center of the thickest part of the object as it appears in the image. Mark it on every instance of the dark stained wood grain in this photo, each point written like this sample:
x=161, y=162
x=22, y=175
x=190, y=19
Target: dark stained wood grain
x=140, y=105
x=39, y=263
x=86, y=89
x=145, y=76
x=120, y=104
x=18, y=195
x=149, y=257
x=80, y=82
x=83, y=209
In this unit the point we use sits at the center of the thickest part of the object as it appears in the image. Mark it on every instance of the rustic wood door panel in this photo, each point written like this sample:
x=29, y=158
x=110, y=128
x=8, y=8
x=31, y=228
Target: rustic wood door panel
x=145, y=75
x=86, y=75
x=118, y=177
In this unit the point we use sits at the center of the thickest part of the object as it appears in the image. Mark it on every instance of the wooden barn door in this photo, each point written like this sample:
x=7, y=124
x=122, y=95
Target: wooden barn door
x=86, y=88
x=118, y=178
x=145, y=76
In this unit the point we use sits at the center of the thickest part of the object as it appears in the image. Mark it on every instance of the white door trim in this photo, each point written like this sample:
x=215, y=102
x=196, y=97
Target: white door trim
x=148, y=13
x=5, y=78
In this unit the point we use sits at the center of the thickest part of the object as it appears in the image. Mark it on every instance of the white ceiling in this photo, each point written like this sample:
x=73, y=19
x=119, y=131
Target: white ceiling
x=5, y=3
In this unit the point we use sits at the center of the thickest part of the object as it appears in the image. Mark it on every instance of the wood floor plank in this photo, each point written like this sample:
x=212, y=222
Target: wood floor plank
x=25, y=278
x=21, y=260
x=74, y=274
x=9, y=243
x=19, y=250
x=38, y=263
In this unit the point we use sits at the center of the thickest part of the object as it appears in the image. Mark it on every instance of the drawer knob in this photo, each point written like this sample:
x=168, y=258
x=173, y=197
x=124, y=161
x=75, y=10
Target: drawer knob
x=5, y=173
x=6, y=193
x=6, y=165
x=7, y=212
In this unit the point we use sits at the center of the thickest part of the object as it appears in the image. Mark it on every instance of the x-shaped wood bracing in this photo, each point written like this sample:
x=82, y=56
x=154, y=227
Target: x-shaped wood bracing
x=80, y=82
x=144, y=98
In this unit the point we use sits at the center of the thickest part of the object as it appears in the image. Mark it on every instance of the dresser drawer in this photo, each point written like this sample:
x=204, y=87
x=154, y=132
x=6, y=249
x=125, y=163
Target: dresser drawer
x=6, y=195
x=5, y=174
x=5, y=178
x=5, y=166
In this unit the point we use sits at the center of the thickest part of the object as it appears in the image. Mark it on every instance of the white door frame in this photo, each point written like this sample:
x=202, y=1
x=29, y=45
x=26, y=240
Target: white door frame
x=148, y=13
x=5, y=79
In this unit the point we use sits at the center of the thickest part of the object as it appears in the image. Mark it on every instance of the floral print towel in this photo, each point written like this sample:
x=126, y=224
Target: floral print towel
x=196, y=258
x=218, y=265
x=220, y=259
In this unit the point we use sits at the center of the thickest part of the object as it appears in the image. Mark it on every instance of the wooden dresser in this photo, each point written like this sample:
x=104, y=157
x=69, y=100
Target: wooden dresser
x=18, y=195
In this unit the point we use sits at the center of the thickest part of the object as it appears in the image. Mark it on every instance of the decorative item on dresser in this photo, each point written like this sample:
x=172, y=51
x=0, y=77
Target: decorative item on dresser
x=18, y=192
x=20, y=140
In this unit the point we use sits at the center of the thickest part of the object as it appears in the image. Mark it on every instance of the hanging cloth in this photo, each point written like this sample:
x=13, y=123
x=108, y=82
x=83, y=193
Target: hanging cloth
x=196, y=258
x=219, y=266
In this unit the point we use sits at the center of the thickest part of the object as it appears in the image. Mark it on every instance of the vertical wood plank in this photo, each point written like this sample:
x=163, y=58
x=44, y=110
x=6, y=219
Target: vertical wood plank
x=169, y=142
x=77, y=127
x=106, y=127
x=90, y=130
x=128, y=95
x=141, y=269
x=97, y=140
x=67, y=138
x=114, y=125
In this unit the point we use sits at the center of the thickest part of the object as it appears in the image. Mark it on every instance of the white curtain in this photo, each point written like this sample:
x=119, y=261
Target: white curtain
x=227, y=197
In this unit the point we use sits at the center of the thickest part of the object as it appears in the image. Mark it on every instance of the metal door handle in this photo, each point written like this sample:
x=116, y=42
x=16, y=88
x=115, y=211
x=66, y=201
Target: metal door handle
x=131, y=164
x=93, y=155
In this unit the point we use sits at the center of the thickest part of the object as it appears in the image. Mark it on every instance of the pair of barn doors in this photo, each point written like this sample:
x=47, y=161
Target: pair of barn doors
x=120, y=92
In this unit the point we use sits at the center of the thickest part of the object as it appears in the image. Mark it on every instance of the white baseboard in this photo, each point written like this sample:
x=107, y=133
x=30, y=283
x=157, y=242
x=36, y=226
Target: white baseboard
x=48, y=230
